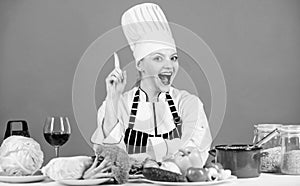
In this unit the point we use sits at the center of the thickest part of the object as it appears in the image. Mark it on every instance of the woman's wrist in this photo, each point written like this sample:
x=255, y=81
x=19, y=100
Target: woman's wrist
x=113, y=105
x=111, y=113
x=112, y=98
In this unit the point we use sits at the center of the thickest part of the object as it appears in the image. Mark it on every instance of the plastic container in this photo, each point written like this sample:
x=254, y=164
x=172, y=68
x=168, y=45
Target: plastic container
x=272, y=160
x=290, y=157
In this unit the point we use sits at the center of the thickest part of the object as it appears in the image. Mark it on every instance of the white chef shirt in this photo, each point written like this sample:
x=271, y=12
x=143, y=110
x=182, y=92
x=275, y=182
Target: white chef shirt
x=195, y=128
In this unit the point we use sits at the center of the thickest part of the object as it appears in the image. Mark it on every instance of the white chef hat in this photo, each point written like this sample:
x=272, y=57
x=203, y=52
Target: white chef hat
x=147, y=30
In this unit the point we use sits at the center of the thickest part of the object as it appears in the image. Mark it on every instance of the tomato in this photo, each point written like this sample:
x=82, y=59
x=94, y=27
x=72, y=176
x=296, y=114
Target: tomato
x=196, y=174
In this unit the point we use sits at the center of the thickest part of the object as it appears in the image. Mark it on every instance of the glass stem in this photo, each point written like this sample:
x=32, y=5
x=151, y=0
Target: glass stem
x=56, y=151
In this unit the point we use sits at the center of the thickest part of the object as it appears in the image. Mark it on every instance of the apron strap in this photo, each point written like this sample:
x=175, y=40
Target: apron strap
x=134, y=108
x=177, y=120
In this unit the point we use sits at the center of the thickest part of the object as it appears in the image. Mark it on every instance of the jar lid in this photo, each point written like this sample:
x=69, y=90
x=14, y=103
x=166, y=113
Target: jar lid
x=290, y=128
x=267, y=126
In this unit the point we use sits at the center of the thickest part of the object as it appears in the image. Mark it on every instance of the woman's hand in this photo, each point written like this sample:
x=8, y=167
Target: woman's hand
x=115, y=83
x=110, y=161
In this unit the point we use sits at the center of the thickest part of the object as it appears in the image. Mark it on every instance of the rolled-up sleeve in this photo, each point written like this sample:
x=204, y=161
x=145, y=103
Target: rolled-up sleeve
x=115, y=136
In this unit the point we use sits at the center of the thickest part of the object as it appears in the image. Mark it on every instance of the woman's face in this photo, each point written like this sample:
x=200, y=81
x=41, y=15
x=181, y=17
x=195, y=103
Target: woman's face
x=160, y=68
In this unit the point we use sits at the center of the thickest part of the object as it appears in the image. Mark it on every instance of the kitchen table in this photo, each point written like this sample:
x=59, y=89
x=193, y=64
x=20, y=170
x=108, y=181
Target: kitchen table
x=263, y=179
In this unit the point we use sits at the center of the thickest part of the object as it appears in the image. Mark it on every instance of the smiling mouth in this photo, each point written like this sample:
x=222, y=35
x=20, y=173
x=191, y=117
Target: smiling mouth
x=165, y=78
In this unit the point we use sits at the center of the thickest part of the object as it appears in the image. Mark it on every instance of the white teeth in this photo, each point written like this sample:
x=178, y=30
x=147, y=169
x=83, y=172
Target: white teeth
x=165, y=78
x=166, y=73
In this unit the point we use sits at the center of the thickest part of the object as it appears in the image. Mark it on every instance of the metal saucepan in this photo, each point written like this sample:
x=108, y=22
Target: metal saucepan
x=244, y=162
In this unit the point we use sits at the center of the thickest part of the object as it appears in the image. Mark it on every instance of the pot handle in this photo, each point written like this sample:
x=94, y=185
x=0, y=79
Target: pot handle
x=260, y=154
x=213, y=152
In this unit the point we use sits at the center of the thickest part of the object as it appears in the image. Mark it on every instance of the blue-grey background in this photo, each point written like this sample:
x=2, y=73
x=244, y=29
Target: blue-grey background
x=257, y=44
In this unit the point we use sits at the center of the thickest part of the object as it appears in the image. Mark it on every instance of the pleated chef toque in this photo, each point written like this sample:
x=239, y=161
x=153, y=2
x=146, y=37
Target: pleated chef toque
x=147, y=30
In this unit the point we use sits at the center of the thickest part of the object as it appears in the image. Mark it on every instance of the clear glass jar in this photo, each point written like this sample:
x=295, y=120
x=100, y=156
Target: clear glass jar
x=290, y=157
x=272, y=159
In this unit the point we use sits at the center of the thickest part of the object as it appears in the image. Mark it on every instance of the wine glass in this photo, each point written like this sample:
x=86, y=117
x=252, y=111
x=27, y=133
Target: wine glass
x=57, y=131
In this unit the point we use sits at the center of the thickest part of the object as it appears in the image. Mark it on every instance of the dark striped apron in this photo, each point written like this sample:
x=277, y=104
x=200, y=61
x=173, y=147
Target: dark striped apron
x=136, y=141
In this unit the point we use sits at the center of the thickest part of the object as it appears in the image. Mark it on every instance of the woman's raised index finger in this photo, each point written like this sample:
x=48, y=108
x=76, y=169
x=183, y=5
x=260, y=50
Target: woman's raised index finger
x=117, y=62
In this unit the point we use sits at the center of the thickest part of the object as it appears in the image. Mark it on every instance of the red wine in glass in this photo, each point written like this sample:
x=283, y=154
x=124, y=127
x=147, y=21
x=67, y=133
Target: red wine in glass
x=56, y=138
x=57, y=131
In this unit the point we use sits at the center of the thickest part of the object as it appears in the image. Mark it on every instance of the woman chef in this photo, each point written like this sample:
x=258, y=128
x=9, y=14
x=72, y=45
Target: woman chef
x=152, y=118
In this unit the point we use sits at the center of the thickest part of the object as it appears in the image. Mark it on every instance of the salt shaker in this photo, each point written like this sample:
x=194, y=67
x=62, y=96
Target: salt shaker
x=271, y=161
x=290, y=159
